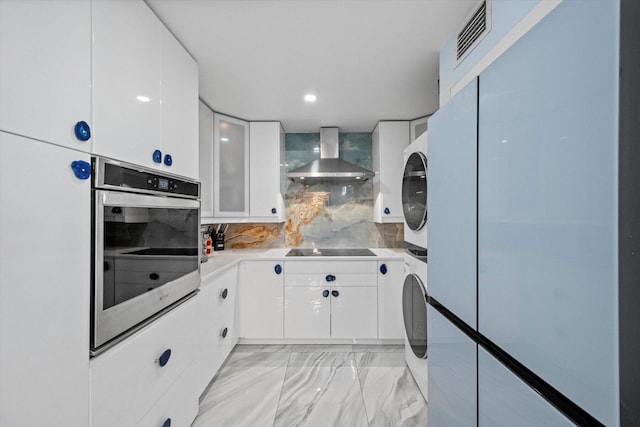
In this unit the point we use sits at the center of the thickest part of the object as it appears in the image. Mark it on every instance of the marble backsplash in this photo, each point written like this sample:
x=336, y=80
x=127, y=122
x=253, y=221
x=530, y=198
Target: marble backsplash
x=322, y=215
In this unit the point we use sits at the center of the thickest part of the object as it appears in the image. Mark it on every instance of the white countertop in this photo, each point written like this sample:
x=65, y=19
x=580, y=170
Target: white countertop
x=221, y=260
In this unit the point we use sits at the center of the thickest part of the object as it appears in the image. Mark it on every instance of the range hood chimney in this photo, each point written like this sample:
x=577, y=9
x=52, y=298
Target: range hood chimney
x=330, y=167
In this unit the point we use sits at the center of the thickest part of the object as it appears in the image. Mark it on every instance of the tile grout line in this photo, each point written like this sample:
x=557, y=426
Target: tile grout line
x=284, y=377
x=364, y=405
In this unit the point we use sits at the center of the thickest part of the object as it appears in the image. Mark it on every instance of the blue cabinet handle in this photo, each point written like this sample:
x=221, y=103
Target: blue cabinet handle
x=387, y=211
x=224, y=293
x=335, y=293
x=273, y=210
x=81, y=169
x=325, y=293
x=224, y=333
x=168, y=160
x=277, y=269
x=82, y=131
x=164, y=357
x=157, y=156
x=330, y=278
x=167, y=423
x=383, y=269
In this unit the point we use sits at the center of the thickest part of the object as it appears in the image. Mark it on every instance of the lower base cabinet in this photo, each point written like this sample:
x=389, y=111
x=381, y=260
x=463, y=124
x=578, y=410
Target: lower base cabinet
x=218, y=326
x=260, y=293
x=130, y=388
x=331, y=300
x=390, y=283
x=127, y=380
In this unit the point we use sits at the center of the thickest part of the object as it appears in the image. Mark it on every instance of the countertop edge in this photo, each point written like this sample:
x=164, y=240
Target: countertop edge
x=219, y=262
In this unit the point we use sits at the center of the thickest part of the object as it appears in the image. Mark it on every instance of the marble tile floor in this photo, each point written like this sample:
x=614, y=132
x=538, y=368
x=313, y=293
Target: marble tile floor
x=313, y=385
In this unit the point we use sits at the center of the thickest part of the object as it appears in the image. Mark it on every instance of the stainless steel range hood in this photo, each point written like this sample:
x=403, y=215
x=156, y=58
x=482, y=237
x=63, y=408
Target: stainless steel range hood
x=330, y=167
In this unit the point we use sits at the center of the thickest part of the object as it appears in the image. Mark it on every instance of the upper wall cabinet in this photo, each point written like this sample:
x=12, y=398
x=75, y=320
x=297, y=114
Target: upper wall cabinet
x=266, y=146
x=241, y=165
x=45, y=71
x=206, y=160
x=145, y=90
x=230, y=167
x=389, y=141
x=179, y=106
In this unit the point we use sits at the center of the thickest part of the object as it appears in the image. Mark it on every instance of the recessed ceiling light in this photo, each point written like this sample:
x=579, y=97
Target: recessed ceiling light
x=142, y=98
x=310, y=97
x=223, y=139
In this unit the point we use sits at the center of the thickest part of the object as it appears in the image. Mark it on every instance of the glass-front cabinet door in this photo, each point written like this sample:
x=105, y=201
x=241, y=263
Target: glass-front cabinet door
x=230, y=167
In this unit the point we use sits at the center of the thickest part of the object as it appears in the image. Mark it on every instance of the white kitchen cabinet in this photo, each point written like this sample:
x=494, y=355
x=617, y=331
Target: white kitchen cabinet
x=206, y=160
x=230, y=168
x=44, y=292
x=261, y=299
x=177, y=407
x=217, y=326
x=390, y=282
x=267, y=167
x=45, y=69
x=128, y=380
x=307, y=312
x=179, y=74
x=336, y=299
x=127, y=64
x=354, y=312
x=145, y=89
x=389, y=141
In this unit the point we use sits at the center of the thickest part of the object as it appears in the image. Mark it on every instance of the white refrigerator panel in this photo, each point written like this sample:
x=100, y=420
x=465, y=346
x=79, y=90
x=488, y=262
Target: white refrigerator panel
x=548, y=203
x=452, y=204
x=451, y=374
x=506, y=401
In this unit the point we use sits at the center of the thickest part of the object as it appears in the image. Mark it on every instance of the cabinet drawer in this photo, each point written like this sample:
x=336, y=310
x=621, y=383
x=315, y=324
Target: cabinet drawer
x=341, y=279
x=127, y=380
x=330, y=267
x=218, y=299
x=179, y=404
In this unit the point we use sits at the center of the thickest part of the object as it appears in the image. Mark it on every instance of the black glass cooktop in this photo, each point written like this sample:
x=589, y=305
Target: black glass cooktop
x=330, y=252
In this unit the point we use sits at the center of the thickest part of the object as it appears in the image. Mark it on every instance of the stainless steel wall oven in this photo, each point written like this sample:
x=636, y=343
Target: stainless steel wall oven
x=146, y=247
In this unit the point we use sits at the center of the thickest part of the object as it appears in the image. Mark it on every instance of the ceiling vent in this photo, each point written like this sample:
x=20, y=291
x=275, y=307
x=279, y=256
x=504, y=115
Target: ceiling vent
x=476, y=26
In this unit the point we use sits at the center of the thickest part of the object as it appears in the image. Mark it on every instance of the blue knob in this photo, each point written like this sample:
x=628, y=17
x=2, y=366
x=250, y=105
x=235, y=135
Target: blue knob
x=278, y=269
x=335, y=293
x=167, y=423
x=330, y=278
x=387, y=211
x=383, y=269
x=325, y=293
x=81, y=169
x=273, y=210
x=164, y=357
x=157, y=156
x=82, y=131
x=168, y=160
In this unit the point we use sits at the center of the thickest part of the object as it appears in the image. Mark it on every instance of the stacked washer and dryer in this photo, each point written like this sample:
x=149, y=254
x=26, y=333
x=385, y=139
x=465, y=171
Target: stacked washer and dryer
x=414, y=292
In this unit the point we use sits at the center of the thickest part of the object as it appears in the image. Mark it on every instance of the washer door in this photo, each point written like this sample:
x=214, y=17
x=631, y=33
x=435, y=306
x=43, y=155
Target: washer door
x=414, y=311
x=414, y=191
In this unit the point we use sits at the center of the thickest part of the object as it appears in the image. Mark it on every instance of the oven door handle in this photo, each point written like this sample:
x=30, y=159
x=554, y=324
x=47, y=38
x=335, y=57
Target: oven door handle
x=118, y=198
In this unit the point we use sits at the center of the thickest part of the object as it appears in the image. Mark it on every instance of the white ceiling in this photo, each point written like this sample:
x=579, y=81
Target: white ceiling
x=366, y=60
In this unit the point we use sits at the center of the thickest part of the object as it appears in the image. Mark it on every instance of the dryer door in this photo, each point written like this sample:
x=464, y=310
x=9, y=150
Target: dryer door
x=414, y=310
x=414, y=191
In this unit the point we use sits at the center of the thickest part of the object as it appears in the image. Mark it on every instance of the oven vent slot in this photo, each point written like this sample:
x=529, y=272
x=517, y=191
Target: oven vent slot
x=475, y=28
